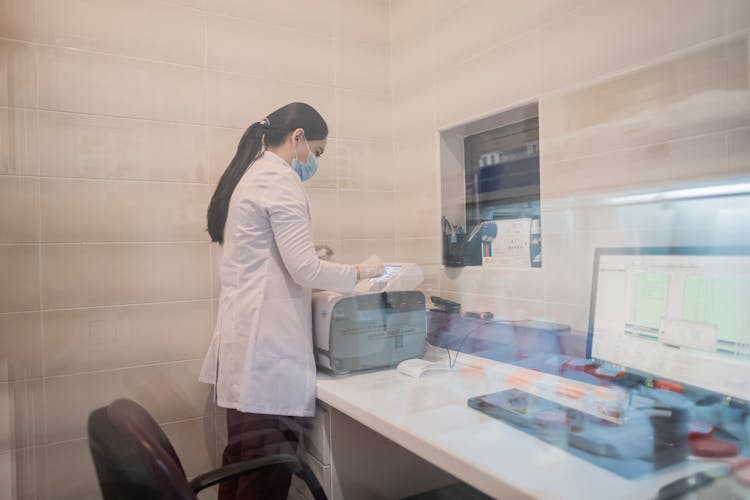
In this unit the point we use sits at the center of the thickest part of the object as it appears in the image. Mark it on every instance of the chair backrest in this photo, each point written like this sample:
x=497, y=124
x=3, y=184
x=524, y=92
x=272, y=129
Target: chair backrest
x=132, y=455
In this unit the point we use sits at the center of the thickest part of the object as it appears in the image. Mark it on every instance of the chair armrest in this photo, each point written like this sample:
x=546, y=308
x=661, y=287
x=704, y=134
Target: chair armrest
x=237, y=469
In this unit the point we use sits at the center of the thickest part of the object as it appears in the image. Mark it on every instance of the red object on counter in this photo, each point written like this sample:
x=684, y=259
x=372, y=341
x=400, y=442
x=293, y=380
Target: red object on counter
x=713, y=448
x=700, y=429
x=669, y=386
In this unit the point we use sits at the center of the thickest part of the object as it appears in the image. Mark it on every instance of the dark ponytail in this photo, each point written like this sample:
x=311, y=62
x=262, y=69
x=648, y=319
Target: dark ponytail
x=272, y=131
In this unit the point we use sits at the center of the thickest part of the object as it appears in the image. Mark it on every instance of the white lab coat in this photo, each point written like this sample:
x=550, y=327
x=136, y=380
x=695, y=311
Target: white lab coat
x=261, y=354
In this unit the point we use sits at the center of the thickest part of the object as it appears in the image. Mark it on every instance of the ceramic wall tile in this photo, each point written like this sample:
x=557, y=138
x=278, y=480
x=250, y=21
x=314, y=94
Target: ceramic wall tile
x=17, y=74
x=598, y=40
x=136, y=273
x=366, y=165
x=499, y=79
x=21, y=345
x=325, y=211
x=165, y=32
x=194, y=441
x=737, y=15
x=103, y=147
x=170, y=392
x=18, y=142
x=67, y=471
x=19, y=267
x=417, y=214
x=315, y=16
x=90, y=339
x=17, y=19
x=278, y=60
x=354, y=251
x=22, y=420
x=637, y=170
x=575, y=316
x=477, y=26
x=369, y=214
x=348, y=27
x=424, y=251
x=363, y=66
x=416, y=104
x=237, y=101
x=111, y=85
x=75, y=210
x=222, y=146
x=363, y=115
x=739, y=152
x=19, y=209
x=685, y=95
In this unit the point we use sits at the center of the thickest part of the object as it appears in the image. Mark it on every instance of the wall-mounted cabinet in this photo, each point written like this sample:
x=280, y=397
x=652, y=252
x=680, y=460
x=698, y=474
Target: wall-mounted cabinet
x=490, y=191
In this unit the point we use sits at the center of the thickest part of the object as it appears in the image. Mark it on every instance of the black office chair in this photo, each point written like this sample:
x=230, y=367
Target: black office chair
x=134, y=459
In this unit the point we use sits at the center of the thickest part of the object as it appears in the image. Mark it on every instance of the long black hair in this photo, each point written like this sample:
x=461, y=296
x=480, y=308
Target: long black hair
x=270, y=132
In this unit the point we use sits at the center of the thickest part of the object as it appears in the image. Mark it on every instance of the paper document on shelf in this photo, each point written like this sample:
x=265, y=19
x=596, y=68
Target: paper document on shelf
x=512, y=246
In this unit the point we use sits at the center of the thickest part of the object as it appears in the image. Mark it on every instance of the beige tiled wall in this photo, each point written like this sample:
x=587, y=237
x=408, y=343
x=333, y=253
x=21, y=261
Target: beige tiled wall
x=117, y=118
x=633, y=96
x=80, y=146
x=112, y=139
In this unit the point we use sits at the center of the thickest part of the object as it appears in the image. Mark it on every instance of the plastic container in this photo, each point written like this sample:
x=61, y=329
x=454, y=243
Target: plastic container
x=573, y=397
x=526, y=381
x=552, y=427
x=609, y=403
x=570, y=394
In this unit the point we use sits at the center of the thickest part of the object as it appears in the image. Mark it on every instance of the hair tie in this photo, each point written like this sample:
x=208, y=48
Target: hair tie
x=265, y=121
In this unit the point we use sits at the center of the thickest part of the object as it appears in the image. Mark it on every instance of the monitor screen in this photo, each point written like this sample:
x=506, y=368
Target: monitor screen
x=681, y=313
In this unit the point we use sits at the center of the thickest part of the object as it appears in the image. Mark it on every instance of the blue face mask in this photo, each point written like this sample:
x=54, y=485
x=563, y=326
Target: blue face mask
x=307, y=169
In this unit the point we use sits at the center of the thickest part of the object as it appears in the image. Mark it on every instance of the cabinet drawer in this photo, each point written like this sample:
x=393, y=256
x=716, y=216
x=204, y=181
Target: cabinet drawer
x=317, y=442
x=299, y=490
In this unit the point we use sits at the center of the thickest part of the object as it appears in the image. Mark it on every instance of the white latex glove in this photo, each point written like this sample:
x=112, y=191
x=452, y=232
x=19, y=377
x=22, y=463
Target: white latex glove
x=324, y=252
x=371, y=267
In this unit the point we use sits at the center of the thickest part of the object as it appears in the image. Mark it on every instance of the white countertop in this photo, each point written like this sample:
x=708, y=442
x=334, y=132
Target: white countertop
x=430, y=417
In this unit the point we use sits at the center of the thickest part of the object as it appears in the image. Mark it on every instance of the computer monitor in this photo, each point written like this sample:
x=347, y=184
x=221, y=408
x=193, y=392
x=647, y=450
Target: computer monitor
x=680, y=313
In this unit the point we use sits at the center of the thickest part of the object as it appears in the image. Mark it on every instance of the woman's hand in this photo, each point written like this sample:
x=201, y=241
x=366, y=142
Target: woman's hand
x=371, y=267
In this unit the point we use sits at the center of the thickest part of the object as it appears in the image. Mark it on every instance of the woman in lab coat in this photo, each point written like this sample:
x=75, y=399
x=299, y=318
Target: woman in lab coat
x=261, y=354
